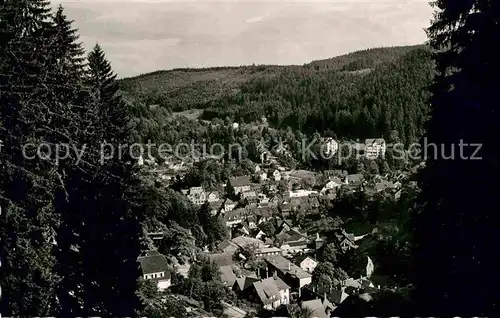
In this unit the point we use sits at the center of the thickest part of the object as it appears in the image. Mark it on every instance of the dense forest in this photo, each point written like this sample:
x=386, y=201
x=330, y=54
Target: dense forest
x=364, y=94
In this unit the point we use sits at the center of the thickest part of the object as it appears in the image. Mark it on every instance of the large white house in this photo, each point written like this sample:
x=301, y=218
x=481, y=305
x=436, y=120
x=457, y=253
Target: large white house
x=240, y=184
x=307, y=263
x=375, y=148
x=154, y=267
x=329, y=147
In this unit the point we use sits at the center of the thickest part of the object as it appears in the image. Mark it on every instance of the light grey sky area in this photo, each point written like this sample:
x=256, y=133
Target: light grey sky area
x=146, y=35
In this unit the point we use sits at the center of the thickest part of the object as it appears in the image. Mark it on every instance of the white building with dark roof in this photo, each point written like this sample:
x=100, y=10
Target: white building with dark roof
x=271, y=292
x=375, y=148
x=240, y=184
x=154, y=267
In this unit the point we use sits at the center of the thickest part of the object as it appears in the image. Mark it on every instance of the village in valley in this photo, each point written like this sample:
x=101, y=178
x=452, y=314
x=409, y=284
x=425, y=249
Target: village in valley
x=285, y=253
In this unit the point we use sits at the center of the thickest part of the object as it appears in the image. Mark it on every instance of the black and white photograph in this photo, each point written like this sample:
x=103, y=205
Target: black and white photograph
x=237, y=159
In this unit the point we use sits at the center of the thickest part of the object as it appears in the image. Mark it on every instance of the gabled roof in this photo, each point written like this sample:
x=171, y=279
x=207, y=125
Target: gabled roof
x=245, y=282
x=153, y=264
x=291, y=235
x=317, y=308
x=336, y=180
x=235, y=214
x=299, y=259
x=286, y=267
x=268, y=290
x=225, y=244
x=227, y=275
x=337, y=296
x=268, y=250
x=328, y=304
x=242, y=241
x=351, y=282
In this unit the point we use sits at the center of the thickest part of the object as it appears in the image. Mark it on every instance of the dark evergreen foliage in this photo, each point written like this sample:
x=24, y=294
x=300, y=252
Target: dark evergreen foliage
x=453, y=260
x=70, y=230
x=338, y=96
x=28, y=220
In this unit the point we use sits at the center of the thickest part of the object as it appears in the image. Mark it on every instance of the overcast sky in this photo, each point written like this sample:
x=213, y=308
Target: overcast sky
x=148, y=35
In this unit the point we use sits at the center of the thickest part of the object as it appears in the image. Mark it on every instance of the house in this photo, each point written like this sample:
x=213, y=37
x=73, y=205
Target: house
x=264, y=213
x=267, y=251
x=337, y=296
x=234, y=217
x=154, y=267
x=354, y=179
x=329, y=147
x=262, y=199
x=240, y=184
x=375, y=148
x=283, y=225
x=242, y=284
x=241, y=229
x=335, y=173
x=248, y=224
x=271, y=292
x=333, y=184
x=236, y=126
x=293, y=241
x=276, y=175
x=302, y=193
x=260, y=234
x=286, y=270
x=196, y=195
x=213, y=197
x=352, y=286
x=250, y=197
x=242, y=241
x=305, y=262
x=346, y=241
x=317, y=308
x=229, y=205
x=257, y=169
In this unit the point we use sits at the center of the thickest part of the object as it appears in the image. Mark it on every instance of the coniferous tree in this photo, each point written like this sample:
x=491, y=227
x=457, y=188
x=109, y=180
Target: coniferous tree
x=111, y=257
x=454, y=266
x=28, y=221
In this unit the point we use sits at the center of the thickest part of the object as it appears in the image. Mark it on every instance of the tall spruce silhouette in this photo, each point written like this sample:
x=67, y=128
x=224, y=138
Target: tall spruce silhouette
x=120, y=219
x=27, y=186
x=454, y=230
x=70, y=230
x=101, y=232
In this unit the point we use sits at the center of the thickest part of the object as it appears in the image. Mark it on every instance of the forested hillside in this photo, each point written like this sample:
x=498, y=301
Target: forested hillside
x=363, y=94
